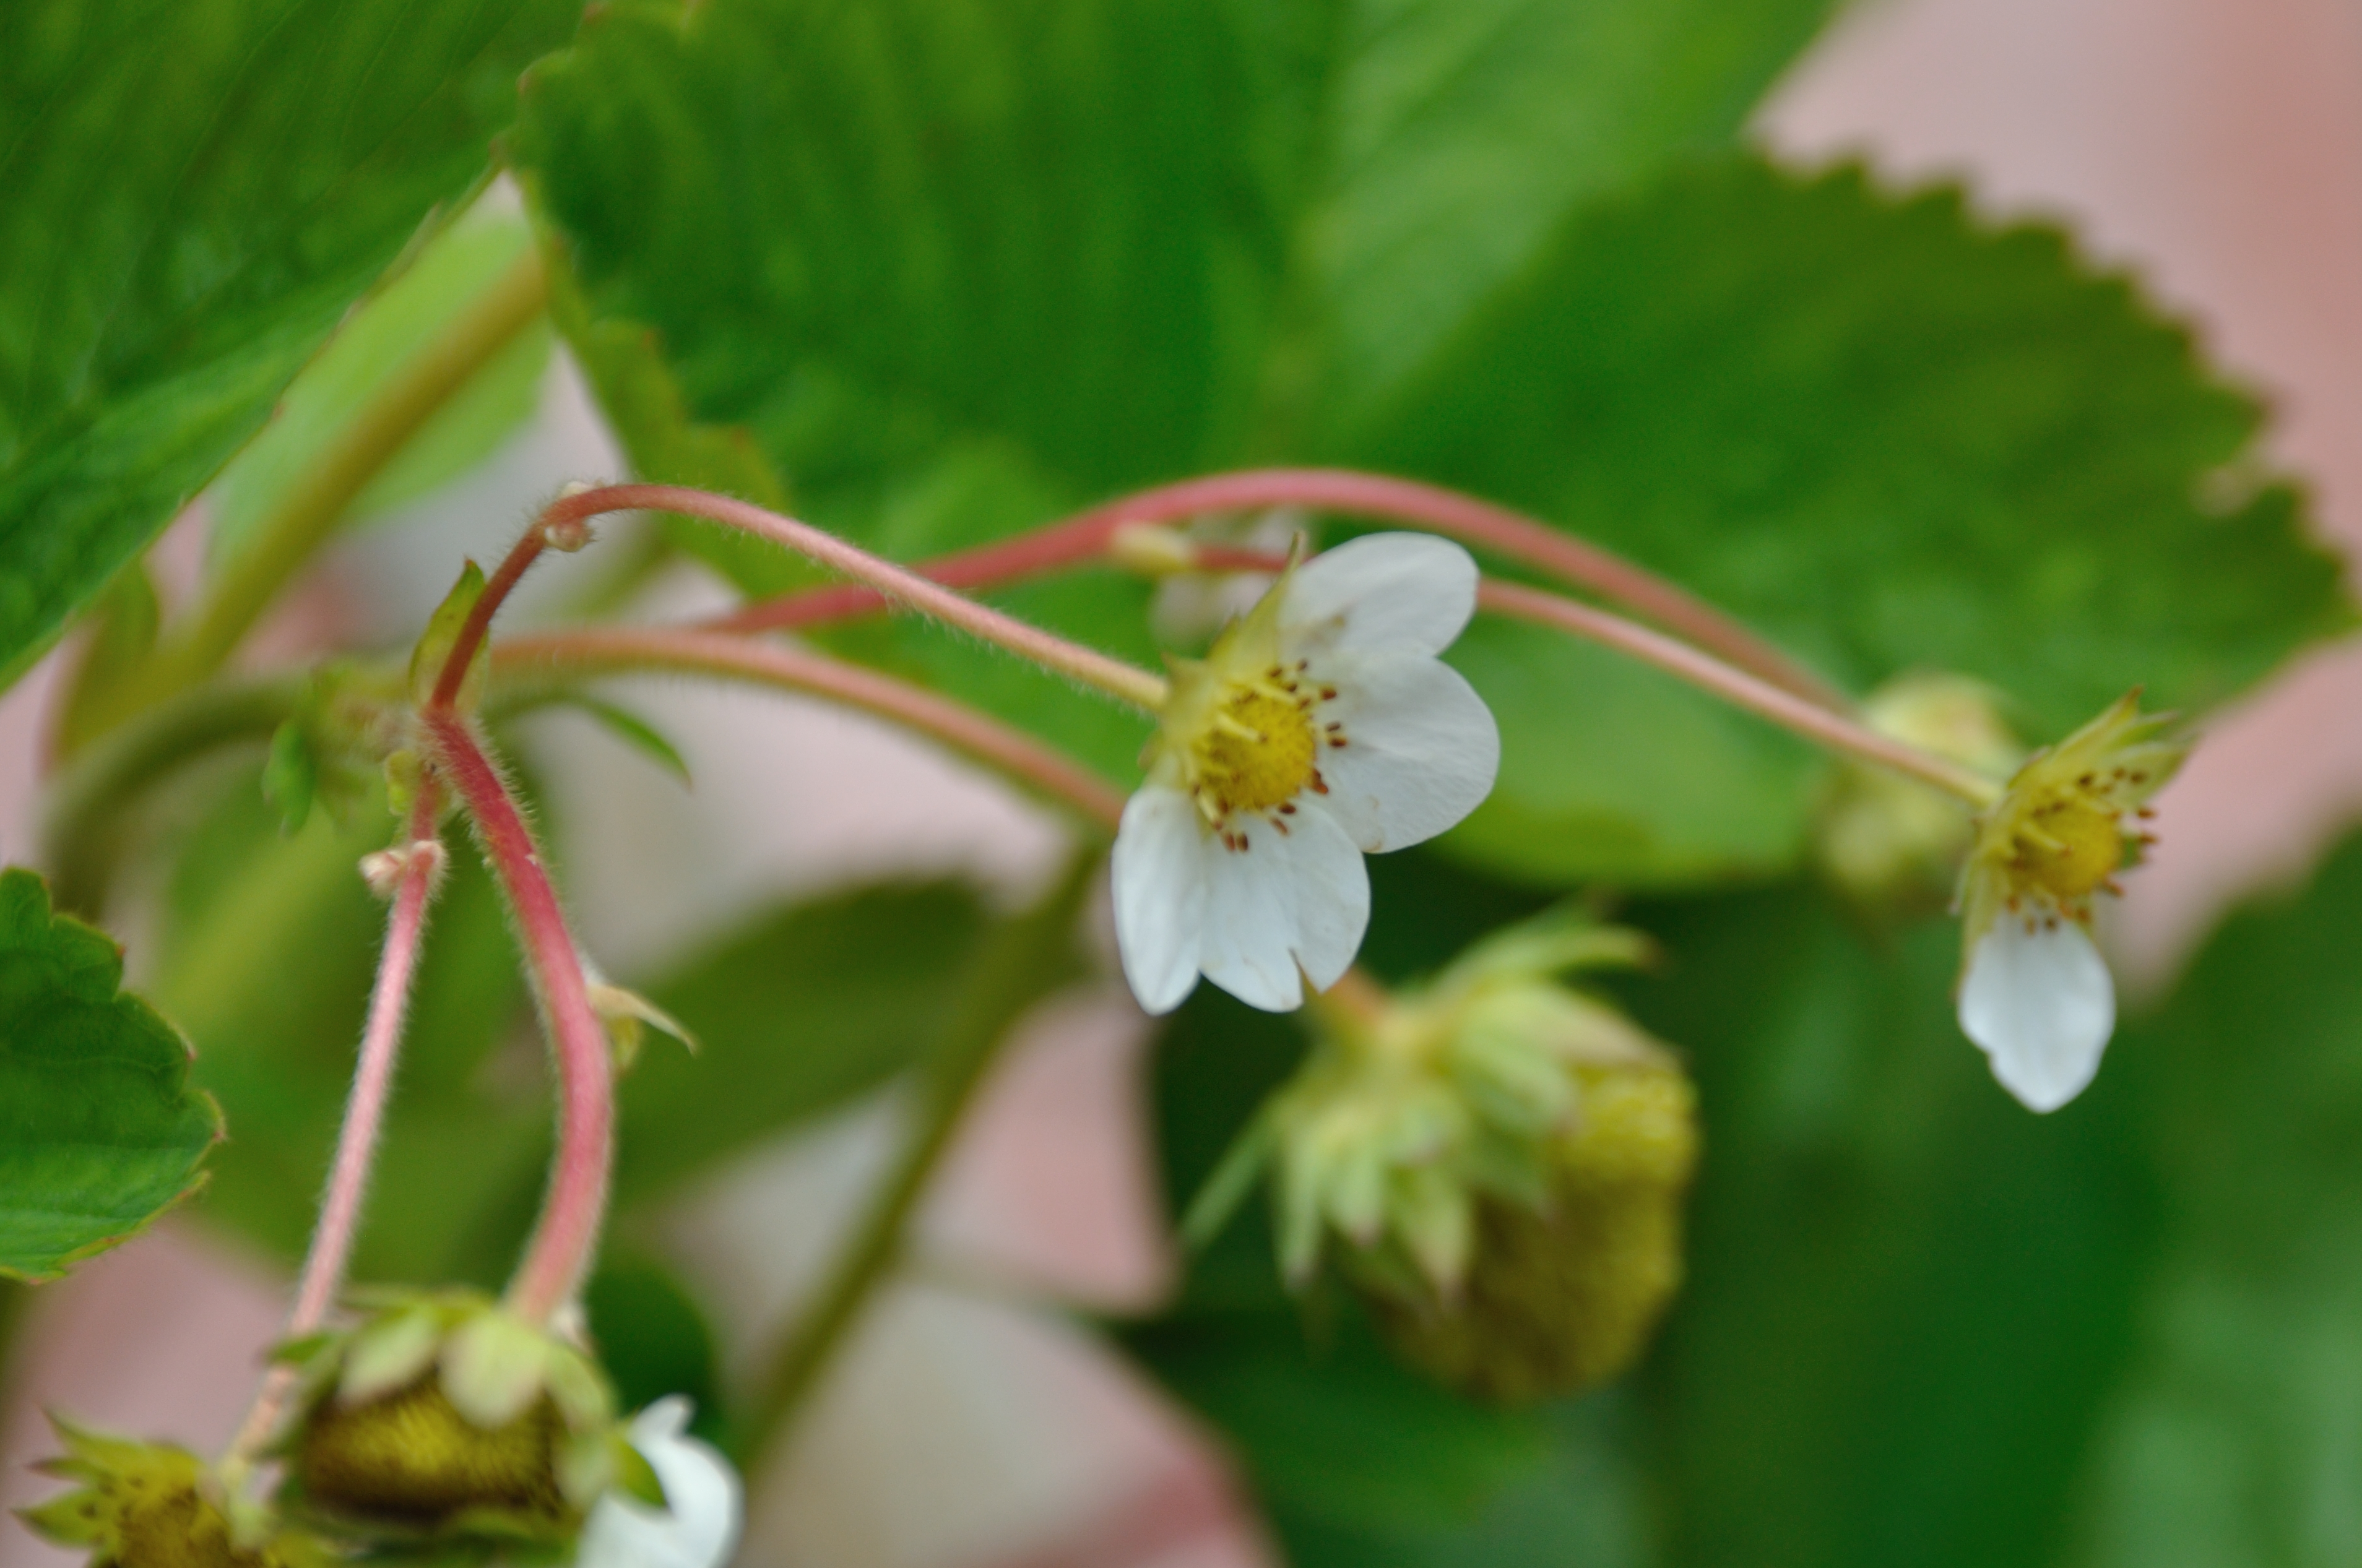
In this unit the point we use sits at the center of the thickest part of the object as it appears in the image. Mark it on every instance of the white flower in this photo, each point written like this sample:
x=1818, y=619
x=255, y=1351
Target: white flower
x=1319, y=726
x=2035, y=994
x=698, y=1528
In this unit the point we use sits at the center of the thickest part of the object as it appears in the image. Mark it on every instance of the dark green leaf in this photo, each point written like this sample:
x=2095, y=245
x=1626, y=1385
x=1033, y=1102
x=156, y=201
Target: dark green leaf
x=652, y=1338
x=956, y=269
x=1887, y=433
x=196, y=193
x=637, y=733
x=1906, y=1295
x=2231, y=1438
x=398, y=322
x=1331, y=1430
x=811, y=1006
x=99, y=1131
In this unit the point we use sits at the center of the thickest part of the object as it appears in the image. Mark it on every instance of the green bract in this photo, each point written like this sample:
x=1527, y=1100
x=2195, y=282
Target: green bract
x=442, y=1416
x=147, y=1505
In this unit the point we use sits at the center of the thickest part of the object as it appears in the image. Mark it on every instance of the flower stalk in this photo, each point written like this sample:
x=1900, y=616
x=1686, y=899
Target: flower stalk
x=1092, y=535
x=414, y=872
x=1087, y=666
x=567, y=1231
x=520, y=662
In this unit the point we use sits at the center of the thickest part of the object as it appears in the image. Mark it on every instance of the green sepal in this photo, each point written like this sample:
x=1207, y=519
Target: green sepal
x=635, y=1477
x=442, y=635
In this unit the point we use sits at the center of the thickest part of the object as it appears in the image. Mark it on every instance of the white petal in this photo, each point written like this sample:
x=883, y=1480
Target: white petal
x=698, y=1526
x=1421, y=749
x=1409, y=593
x=2042, y=1006
x=1299, y=897
x=1159, y=873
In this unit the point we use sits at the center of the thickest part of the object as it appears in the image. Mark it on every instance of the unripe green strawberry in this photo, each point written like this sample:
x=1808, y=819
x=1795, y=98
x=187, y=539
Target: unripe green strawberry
x=1562, y=1297
x=155, y=1506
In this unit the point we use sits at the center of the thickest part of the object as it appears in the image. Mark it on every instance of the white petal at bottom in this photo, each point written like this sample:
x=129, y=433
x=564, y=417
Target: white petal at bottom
x=698, y=1526
x=2042, y=1005
x=1158, y=870
x=1298, y=897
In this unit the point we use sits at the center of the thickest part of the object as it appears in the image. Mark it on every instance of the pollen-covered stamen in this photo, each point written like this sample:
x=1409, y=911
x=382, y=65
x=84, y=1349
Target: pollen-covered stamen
x=1254, y=754
x=2068, y=847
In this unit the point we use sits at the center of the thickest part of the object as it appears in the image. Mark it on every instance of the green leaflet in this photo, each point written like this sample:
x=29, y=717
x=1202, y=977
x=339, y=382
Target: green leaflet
x=99, y=1131
x=195, y=195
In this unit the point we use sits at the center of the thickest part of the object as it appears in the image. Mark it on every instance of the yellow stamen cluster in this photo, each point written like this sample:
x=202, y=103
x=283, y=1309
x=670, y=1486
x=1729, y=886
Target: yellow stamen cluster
x=2068, y=821
x=1243, y=733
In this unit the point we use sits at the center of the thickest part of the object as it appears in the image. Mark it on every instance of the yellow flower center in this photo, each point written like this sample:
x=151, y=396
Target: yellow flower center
x=1256, y=750
x=2068, y=847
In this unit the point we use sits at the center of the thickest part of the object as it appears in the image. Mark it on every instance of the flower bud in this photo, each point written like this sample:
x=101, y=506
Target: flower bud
x=155, y=1506
x=442, y=1416
x=1561, y=1296
x=1884, y=840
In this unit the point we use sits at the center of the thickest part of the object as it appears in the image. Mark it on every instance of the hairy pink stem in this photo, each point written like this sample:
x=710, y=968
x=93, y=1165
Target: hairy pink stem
x=567, y=1231
x=478, y=623
x=1084, y=664
x=1479, y=524
x=625, y=651
x=417, y=867
x=1736, y=686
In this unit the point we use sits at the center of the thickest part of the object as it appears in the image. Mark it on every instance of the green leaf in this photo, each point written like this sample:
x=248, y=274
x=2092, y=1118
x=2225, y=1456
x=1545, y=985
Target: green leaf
x=2230, y=1438
x=1887, y=433
x=1906, y=1296
x=196, y=193
x=441, y=638
x=1331, y=1430
x=1460, y=134
x=957, y=269
x=395, y=326
x=291, y=776
x=99, y=1131
x=810, y=1007
x=1613, y=772
x=652, y=1340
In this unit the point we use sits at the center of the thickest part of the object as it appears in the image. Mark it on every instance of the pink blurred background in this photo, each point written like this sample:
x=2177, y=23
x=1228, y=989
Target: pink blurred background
x=2213, y=147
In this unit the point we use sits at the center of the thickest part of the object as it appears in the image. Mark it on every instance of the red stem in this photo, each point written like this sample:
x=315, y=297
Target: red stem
x=568, y=1230
x=1479, y=524
x=472, y=631
x=626, y=650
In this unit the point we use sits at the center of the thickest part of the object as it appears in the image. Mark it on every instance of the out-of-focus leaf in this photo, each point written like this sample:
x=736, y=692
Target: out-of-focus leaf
x=99, y=1131
x=397, y=323
x=1906, y=1295
x=956, y=268
x=636, y=733
x=196, y=193
x=1613, y=772
x=1331, y=1430
x=813, y=1004
x=2232, y=1438
x=1888, y=434
x=652, y=1338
